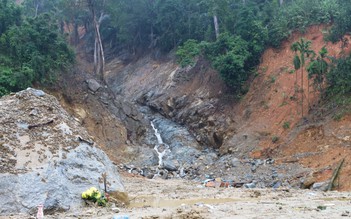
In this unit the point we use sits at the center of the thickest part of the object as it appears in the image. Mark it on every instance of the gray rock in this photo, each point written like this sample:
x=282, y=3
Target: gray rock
x=38, y=93
x=58, y=185
x=170, y=165
x=250, y=185
x=322, y=186
x=49, y=164
x=93, y=85
x=235, y=162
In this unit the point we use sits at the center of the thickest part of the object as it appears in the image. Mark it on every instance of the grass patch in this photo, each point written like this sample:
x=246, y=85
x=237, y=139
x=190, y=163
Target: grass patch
x=275, y=139
x=286, y=125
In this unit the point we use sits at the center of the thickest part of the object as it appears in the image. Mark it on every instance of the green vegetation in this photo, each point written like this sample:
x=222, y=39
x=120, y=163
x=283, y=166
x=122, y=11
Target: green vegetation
x=253, y=21
x=275, y=139
x=339, y=77
x=318, y=69
x=31, y=50
x=286, y=125
x=188, y=52
x=231, y=34
x=302, y=52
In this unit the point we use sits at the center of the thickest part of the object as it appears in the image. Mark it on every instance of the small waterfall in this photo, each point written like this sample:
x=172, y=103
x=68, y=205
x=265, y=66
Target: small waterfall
x=158, y=135
x=158, y=146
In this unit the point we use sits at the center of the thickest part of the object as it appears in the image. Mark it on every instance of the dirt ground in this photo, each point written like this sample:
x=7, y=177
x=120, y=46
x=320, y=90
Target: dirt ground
x=157, y=198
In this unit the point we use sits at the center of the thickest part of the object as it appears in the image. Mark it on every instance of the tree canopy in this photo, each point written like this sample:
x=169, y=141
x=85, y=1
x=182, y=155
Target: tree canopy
x=31, y=49
x=112, y=27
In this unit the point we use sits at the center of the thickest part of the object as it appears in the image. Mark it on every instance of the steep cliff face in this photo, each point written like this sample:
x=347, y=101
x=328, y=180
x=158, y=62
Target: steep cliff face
x=191, y=97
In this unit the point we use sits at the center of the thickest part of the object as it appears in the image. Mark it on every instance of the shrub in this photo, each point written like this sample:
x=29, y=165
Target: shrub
x=339, y=77
x=275, y=139
x=229, y=56
x=187, y=53
x=286, y=125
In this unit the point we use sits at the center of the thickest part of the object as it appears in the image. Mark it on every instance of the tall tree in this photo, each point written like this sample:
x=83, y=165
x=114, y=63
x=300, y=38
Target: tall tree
x=303, y=48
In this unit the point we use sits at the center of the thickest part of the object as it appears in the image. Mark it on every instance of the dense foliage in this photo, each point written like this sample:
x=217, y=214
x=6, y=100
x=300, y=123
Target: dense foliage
x=339, y=77
x=31, y=49
x=196, y=27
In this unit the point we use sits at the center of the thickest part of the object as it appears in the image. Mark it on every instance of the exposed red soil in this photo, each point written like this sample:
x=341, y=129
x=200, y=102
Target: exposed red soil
x=276, y=111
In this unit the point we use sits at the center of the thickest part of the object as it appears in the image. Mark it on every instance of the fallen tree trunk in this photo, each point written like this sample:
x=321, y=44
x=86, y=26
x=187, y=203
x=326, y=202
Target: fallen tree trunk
x=335, y=175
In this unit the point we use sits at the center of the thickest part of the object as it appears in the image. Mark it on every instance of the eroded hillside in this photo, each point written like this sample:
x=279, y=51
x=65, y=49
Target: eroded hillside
x=208, y=128
x=196, y=98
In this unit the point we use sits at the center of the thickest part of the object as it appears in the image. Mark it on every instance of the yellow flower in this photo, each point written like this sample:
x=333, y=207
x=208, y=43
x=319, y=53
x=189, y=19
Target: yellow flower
x=91, y=193
x=98, y=195
x=84, y=195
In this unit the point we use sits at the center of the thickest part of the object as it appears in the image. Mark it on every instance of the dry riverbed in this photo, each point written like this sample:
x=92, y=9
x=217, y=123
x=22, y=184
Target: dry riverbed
x=159, y=198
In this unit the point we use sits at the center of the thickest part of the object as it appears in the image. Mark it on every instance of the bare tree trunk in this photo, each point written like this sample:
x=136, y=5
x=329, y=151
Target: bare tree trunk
x=95, y=55
x=281, y=2
x=62, y=26
x=36, y=10
x=302, y=91
x=296, y=93
x=308, y=94
x=99, y=56
x=75, y=33
x=216, y=26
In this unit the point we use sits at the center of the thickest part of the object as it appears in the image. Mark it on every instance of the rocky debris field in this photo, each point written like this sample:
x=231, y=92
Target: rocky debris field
x=237, y=172
x=46, y=157
x=180, y=199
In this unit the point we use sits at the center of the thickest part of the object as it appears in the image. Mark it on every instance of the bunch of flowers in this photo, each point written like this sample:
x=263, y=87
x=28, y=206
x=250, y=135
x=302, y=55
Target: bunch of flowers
x=94, y=195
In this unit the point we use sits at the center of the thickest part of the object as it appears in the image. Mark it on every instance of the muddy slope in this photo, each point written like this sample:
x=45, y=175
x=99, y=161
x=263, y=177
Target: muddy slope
x=197, y=99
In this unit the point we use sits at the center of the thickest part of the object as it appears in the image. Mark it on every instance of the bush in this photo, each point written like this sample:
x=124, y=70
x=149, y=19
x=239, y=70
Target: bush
x=187, y=53
x=229, y=56
x=275, y=139
x=339, y=77
x=286, y=125
x=342, y=23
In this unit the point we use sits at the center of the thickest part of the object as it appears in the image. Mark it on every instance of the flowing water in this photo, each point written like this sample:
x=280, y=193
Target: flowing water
x=161, y=152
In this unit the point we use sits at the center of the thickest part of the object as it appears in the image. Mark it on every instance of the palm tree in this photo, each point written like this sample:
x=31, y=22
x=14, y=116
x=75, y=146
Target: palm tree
x=303, y=48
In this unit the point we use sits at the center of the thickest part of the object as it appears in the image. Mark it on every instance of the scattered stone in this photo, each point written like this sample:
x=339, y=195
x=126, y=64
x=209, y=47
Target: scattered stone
x=345, y=214
x=320, y=207
x=115, y=210
x=277, y=185
x=322, y=186
x=250, y=185
x=93, y=85
x=235, y=162
x=170, y=165
x=307, y=182
x=211, y=184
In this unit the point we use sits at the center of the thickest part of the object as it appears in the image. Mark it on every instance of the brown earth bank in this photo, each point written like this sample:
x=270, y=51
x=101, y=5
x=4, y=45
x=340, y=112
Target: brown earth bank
x=197, y=99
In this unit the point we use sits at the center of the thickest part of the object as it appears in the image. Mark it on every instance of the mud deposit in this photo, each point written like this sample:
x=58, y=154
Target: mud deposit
x=185, y=199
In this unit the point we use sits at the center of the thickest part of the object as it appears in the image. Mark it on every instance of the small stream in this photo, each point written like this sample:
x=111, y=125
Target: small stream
x=161, y=148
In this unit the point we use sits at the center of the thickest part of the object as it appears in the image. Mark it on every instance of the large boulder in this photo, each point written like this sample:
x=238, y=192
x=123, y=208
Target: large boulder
x=46, y=157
